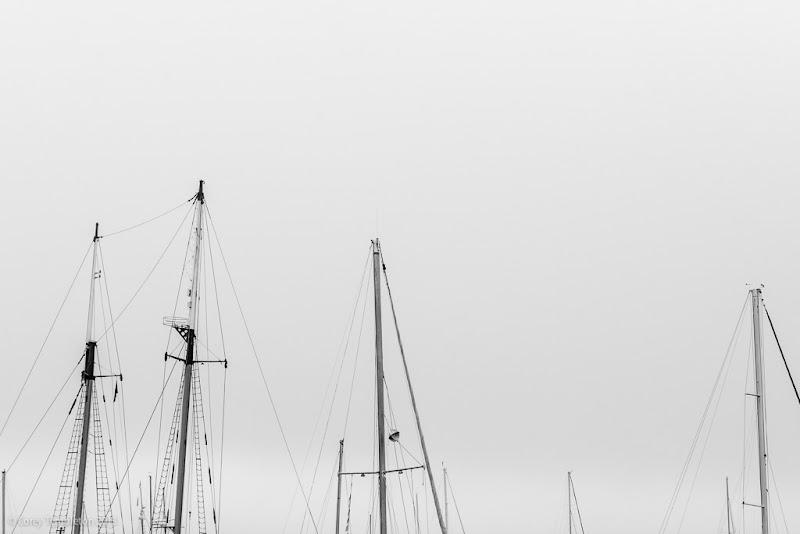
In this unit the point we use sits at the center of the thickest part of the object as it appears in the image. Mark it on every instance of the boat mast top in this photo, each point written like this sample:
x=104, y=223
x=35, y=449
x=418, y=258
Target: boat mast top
x=198, y=251
x=95, y=276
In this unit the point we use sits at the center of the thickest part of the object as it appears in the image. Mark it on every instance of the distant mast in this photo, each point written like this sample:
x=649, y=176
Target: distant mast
x=569, y=500
x=339, y=486
x=189, y=334
x=446, y=515
x=760, y=410
x=4, y=502
x=728, y=504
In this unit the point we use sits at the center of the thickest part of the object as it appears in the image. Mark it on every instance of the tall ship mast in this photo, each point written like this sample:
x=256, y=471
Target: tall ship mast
x=171, y=515
x=87, y=435
x=187, y=483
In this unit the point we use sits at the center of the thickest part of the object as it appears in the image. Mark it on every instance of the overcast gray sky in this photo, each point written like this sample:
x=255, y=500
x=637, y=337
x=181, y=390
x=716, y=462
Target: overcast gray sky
x=572, y=197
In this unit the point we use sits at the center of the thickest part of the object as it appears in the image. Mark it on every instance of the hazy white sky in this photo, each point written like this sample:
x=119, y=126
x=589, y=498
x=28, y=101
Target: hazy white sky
x=571, y=196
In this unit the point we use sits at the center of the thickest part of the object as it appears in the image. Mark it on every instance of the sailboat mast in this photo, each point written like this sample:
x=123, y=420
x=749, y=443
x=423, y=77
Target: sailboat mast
x=189, y=361
x=446, y=514
x=150, y=498
x=569, y=500
x=376, y=272
x=4, y=502
x=728, y=500
x=88, y=387
x=141, y=509
x=760, y=410
x=339, y=487
x=416, y=513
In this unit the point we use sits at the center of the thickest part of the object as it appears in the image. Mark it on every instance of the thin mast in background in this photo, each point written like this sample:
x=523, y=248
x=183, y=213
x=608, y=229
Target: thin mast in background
x=4, y=502
x=728, y=506
x=339, y=487
x=569, y=500
x=446, y=504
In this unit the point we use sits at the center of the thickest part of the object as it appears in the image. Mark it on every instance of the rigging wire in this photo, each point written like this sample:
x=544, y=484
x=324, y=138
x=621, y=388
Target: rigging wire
x=340, y=353
x=139, y=443
x=780, y=349
x=349, y=506
x=328, y=494
x=358, y=351
x=393, y=424
x=748, y=431
x=113, y=430
x=363, y=288
x=169, y=334
x=777, y=494
x=224, y=391
x=458, y=512
x=260, y=368
x=572, y=488
x=708, y=435
x=411, y=393
x=222, y=446
x=41, y=419
x=409, y=453
x=44, y=465
x=46, y=337
x=146, y=278
x=120, y=382
x=166, y=471
x=748, y=438
x=346, y=340
x=684, y=470
x=147, y=221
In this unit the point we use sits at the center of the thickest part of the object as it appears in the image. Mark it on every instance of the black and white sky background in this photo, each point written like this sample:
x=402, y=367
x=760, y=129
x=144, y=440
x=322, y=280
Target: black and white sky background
x=571, y=196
